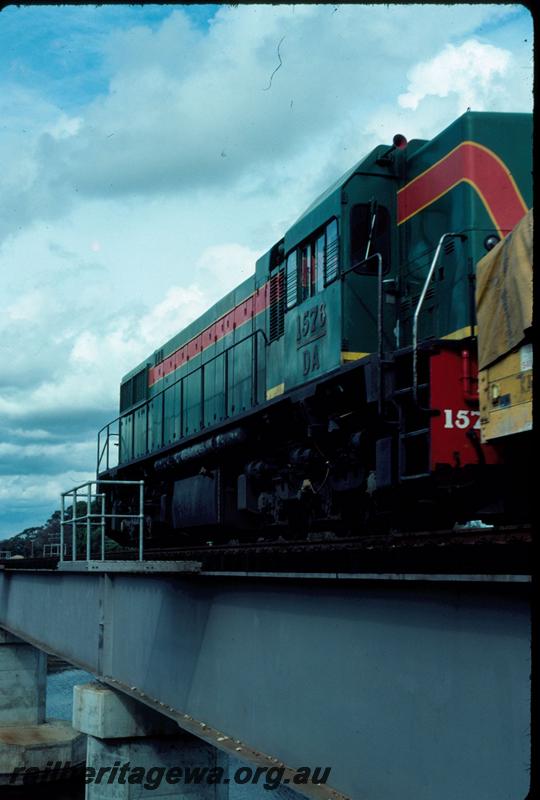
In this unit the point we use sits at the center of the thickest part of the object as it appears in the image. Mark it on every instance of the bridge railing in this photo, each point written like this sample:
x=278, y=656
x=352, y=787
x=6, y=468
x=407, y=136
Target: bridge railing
x=89, y=513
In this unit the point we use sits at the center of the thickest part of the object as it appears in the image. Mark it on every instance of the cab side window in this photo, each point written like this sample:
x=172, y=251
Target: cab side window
x=370, y=234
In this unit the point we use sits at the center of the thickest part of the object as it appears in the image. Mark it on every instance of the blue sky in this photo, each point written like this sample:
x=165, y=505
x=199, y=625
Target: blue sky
x=59, y=51
x=146, y=166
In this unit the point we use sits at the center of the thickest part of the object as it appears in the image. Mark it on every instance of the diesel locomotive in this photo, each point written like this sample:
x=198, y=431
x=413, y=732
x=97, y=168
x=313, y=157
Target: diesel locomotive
x=336, y=389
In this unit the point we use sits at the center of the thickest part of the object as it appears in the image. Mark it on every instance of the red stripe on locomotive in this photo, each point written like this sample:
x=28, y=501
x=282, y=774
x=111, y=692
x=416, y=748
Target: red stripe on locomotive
x=482, y=169
x=244, y=312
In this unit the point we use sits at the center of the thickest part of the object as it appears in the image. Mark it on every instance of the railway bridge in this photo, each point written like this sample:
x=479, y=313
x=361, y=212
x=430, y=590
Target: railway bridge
x=408, y=684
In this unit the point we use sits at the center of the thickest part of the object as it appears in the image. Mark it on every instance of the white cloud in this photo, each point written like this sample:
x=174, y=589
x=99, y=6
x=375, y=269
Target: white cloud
x=63, y=127
x=29, y=306
x=31, y=433
x=88, y=377
x=180, y=306
x=222, y=267
x=85, y=349
x=189, y=109
x=20, y=490
x=74, y=450
x=472, y=71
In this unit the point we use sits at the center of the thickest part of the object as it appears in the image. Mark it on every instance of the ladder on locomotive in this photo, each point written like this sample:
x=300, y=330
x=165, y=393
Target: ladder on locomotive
x=411, y=387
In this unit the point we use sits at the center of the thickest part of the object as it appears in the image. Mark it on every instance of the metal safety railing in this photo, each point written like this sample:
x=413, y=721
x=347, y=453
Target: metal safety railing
x=111, y=434
x=53, y=549
x=91, y=498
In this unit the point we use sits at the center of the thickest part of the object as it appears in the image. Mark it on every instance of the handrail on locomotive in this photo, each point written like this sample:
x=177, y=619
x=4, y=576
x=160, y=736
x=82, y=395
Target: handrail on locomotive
x=420, y=303
x=104, y=451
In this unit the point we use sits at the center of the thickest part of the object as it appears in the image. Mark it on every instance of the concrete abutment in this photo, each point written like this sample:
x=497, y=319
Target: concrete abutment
x=134, y=751
x=30, y=745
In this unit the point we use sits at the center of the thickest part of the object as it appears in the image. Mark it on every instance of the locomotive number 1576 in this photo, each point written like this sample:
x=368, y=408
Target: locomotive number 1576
x=311, y=325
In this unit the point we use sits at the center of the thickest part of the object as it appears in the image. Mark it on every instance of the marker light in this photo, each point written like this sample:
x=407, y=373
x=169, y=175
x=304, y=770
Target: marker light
x=490, y=241
x=399, y=141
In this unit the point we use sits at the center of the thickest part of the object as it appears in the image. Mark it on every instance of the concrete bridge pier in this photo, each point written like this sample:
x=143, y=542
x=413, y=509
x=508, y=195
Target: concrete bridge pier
x=134, y=751
x=31, y=747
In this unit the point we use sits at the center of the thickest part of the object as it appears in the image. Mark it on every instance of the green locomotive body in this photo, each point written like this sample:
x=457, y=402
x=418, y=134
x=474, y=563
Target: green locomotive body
x=342, y=374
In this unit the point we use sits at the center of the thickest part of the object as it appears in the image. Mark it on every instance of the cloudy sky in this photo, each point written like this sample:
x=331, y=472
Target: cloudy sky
x=149, y=155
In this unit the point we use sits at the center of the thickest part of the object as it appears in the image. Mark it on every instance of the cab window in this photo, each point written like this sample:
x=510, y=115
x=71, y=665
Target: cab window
x=370, y=234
